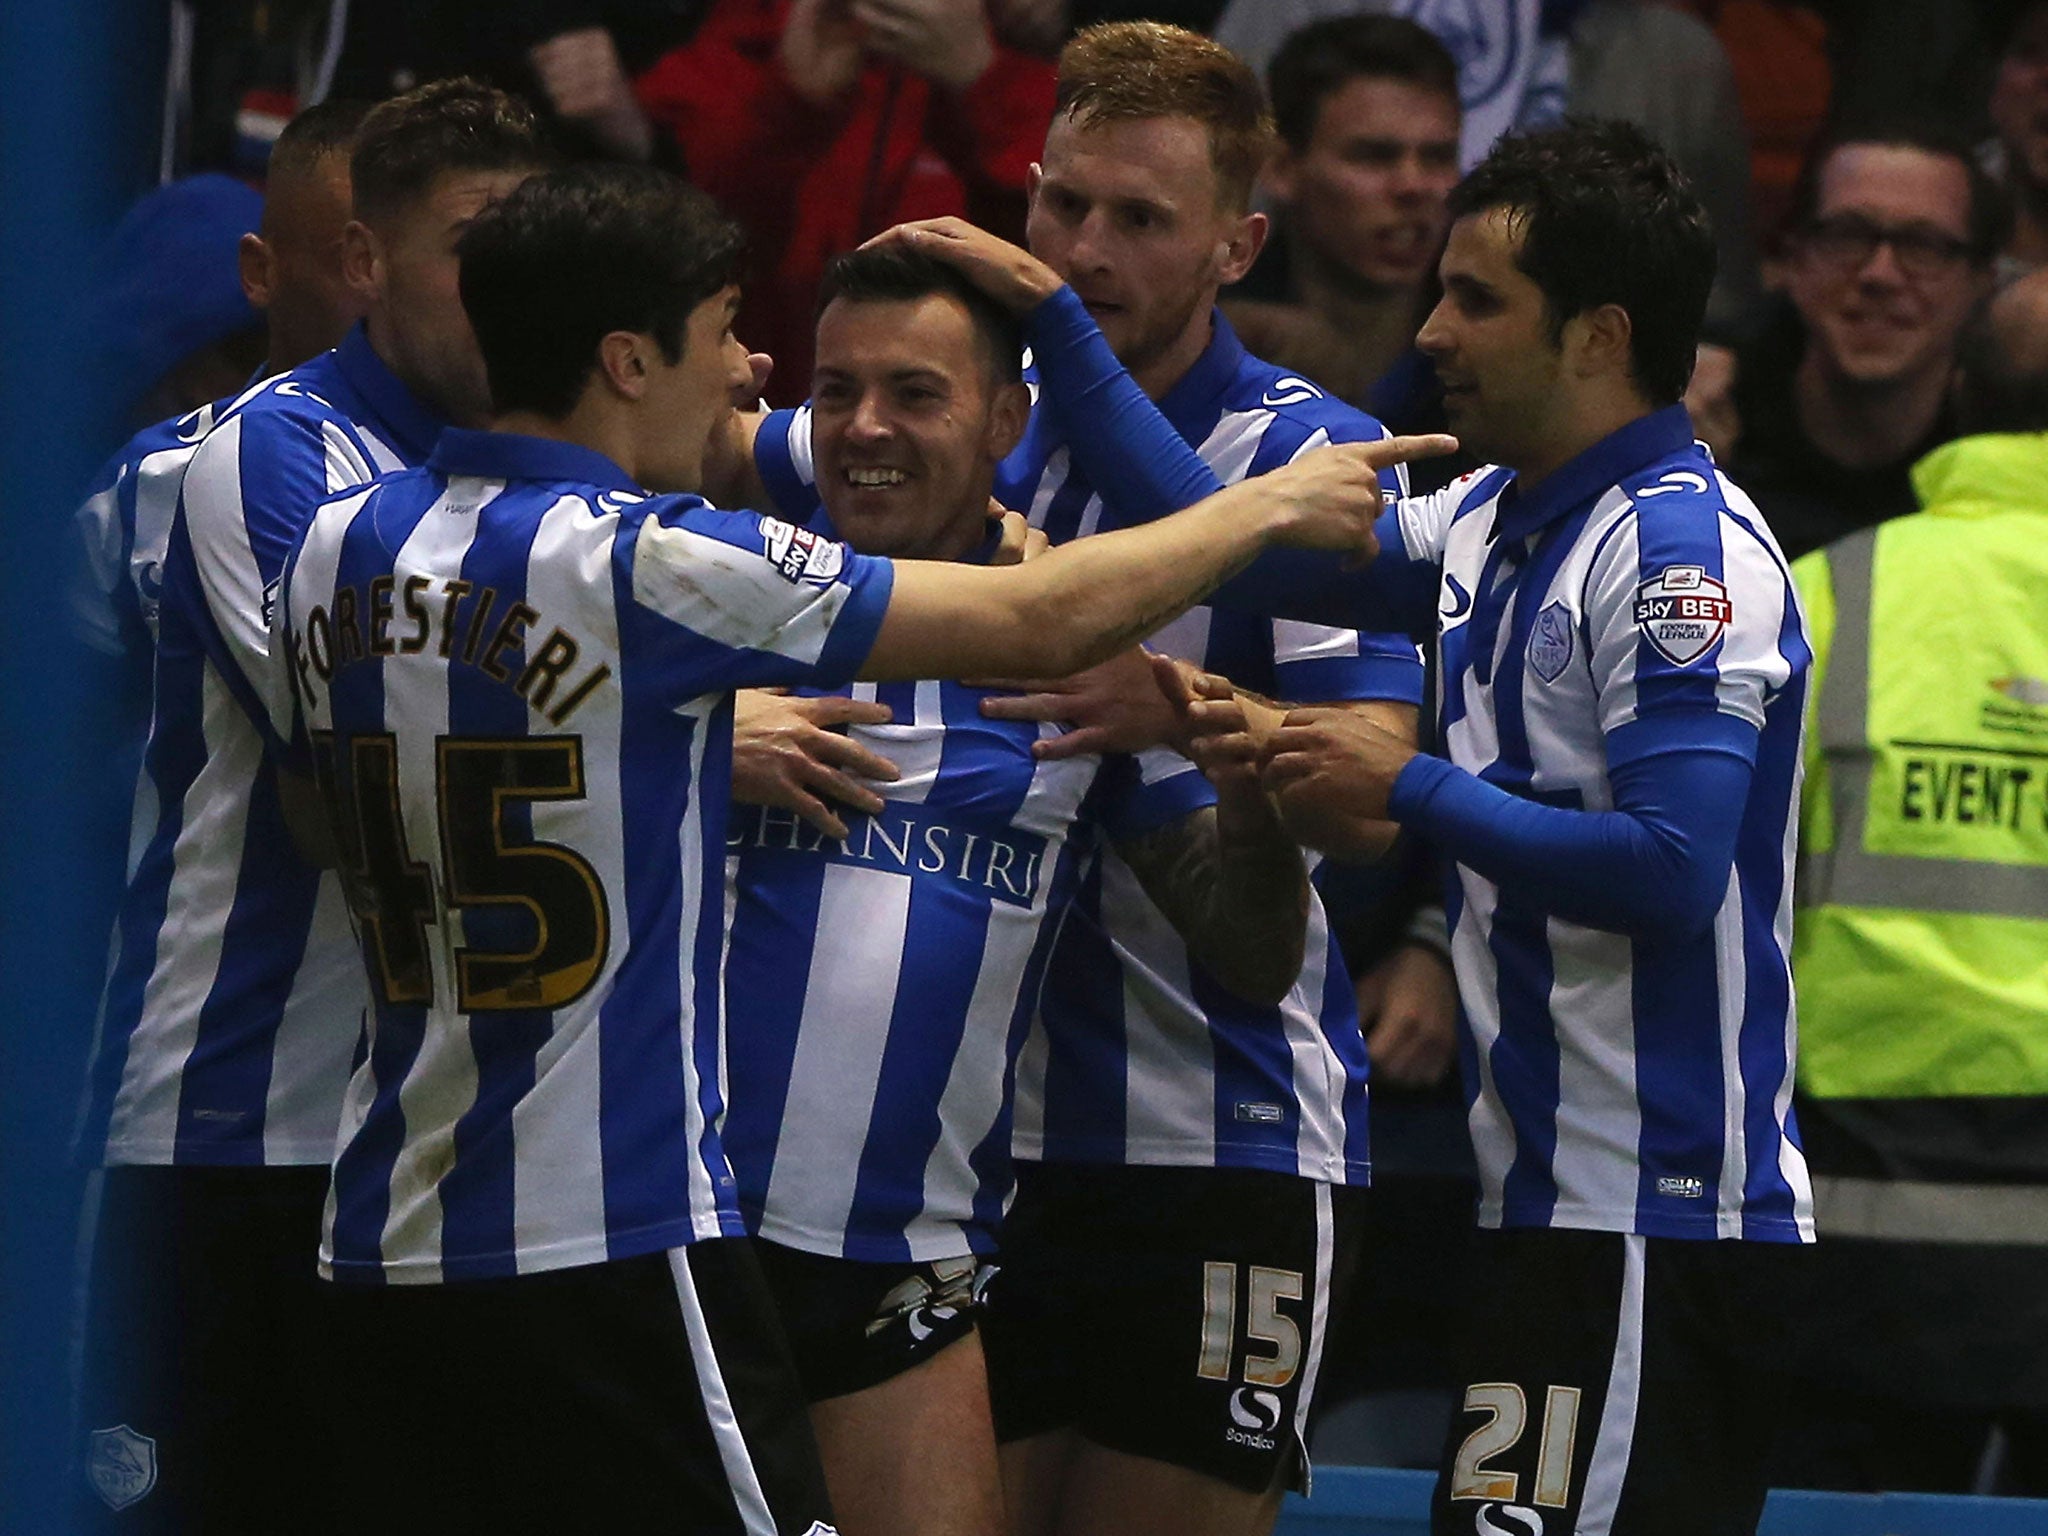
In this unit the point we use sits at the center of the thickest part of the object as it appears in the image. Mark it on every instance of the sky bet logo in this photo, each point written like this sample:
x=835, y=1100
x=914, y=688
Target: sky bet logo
x=1682, y=611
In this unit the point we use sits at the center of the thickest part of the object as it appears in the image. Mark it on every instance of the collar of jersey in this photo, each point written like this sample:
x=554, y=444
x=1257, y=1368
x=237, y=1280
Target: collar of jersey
x=513, y=456
x=1594, y=472
x=1191, y=404
x=411, y=426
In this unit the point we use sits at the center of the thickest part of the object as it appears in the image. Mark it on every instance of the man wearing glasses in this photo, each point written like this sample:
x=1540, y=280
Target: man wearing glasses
x=1894, y=231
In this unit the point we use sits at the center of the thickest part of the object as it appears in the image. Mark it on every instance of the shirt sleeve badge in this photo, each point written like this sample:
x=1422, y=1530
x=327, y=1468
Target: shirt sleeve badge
x=1683, y=611
x=800, y=555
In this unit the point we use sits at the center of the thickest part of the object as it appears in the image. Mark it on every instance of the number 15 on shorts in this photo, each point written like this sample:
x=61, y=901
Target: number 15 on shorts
x=1273, y=1341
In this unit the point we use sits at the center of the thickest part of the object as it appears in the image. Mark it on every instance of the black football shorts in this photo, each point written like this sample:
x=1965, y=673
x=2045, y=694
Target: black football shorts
x=1175, y=1313
x=1616, y=1385
x=853, y=1324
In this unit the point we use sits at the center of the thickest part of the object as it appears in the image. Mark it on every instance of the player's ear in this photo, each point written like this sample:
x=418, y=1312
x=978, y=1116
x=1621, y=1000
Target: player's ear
x=1245, y=238
x=257, y=264
x=622, y=360
x=1034, y=176
x=1008, y=415
x=362, y=261
x=1600, y=341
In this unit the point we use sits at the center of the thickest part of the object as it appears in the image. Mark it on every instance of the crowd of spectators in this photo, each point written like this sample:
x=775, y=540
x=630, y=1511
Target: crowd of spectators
x=1878, y=174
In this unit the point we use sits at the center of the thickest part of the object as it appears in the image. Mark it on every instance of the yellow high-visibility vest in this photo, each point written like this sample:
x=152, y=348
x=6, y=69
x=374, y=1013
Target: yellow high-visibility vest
x=1921, y=938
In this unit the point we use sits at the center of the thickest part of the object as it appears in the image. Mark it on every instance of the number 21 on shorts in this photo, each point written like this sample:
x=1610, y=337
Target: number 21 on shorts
x=1507, y=1410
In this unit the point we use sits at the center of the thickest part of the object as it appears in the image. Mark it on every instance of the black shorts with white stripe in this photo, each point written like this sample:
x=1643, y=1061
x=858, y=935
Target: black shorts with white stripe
x=650, y=1393
x=1173, y=1313
x=1617, y=1385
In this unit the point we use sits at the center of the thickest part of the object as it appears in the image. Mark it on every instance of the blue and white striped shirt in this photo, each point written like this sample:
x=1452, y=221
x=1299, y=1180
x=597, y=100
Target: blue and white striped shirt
x=1142, y=1057
x=1632, y=1085
x=878, y=990
x=234, y=1001
x=517, y=668
x=124, y=527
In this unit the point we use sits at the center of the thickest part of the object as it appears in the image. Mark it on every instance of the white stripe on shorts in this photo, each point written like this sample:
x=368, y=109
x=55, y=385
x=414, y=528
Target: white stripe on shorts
x=740, y=1476
x=1609, y=1467
x=1318, y=1326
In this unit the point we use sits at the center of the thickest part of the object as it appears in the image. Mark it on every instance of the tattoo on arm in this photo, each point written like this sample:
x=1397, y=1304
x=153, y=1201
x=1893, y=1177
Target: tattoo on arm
x=1241, y=902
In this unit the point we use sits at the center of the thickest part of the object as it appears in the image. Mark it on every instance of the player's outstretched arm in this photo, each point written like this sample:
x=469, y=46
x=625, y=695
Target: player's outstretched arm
x=1083, y=603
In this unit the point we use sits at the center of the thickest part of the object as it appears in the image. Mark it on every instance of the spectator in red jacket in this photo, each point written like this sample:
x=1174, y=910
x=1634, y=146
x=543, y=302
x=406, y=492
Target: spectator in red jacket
x=821, y=122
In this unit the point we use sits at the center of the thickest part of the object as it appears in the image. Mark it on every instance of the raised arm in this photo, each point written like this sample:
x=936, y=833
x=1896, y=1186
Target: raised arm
x=1142, y=467
x=1082, y=603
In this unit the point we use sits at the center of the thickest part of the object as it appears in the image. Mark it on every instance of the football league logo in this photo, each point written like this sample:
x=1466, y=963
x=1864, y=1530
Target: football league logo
x=1683, y=611
x=800, y=555
x=121, y=1465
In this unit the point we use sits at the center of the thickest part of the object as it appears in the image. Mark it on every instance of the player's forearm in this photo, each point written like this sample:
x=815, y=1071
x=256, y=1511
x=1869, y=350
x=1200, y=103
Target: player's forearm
x=1099, y=595
x=1234, y=887
x=1654, y=868
x=1073, y=606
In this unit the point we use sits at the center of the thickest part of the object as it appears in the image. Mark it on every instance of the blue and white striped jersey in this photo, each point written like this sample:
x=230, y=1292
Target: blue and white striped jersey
x=878, y=990
x=124, y=527
x=1617, y=1084
x=234, y=1002
x=1142, y=1057
x=514, y=671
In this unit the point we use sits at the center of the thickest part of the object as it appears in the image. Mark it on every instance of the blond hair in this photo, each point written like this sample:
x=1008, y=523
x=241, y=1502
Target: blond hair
x=1124, y=71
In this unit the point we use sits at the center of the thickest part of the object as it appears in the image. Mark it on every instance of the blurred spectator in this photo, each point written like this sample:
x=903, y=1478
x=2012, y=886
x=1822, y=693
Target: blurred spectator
x=821, y=122
x=240, y=68
x=1513, y=55
x=1919, y=944
x=574, y=59
x=1663, y=69
x=1925, y=57
x=1778, y=52
x=172, y=327
x=1367, y=109
x=1895, y=229
x=2019, y=113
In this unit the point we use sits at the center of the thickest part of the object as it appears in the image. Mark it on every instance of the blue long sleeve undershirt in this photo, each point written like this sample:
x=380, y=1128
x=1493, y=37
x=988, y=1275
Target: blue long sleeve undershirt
x=1654, y=868
x=1144, y=470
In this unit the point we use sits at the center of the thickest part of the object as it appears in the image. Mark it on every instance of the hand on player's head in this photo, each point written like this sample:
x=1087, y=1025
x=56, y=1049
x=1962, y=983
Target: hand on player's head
x=1007, y=273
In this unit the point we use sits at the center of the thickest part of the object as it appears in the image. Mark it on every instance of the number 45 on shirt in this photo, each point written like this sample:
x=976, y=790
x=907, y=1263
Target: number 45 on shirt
x=541, y=904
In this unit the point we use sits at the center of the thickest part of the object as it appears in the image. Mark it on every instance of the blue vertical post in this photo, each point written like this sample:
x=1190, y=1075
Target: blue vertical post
x=79, y=87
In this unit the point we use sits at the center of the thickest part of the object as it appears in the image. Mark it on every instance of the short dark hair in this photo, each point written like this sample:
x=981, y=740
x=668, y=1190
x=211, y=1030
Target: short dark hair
x=566, y=258
x=326, y=128
x=1606, y=217
x=1129, y=71
x=1321, y=58
x=459, y=125
x=1996, y=391
x=890, y=274
x=1990, y=215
